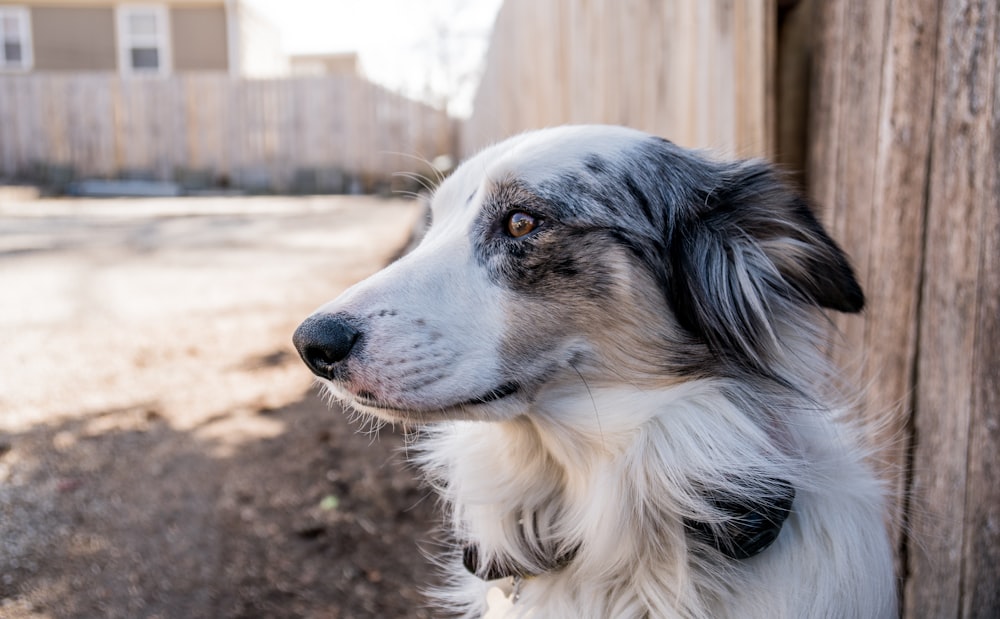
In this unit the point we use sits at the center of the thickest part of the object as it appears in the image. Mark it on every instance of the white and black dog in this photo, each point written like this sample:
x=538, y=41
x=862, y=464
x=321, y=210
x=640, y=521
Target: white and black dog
x=609, y=344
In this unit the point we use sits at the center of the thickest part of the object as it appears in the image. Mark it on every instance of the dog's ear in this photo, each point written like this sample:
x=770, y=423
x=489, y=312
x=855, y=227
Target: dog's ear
x=747, y=256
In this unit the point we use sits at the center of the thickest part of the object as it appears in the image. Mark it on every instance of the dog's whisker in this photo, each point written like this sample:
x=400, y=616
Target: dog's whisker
x=407, y=194
x=593, y=402
x=420, y=179
x=438, y=174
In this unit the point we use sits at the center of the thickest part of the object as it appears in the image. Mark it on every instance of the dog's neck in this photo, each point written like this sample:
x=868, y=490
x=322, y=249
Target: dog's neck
x=527, y=492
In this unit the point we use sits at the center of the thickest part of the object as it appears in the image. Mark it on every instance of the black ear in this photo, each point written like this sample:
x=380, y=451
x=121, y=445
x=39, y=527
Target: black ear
x=750, y=256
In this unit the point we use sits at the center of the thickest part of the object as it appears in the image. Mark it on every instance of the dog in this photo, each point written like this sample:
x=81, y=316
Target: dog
x=610, y=347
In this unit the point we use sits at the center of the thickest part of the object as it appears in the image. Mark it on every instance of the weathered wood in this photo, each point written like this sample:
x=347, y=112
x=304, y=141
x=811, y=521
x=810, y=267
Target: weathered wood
x=981, y=548
x=896, y=240
x=696, y=71
x=102, y=125
x=904, y=152
x=951, y=573
x=868, y=158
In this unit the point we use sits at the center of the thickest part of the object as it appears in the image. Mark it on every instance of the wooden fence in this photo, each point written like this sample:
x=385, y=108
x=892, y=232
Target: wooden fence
x=904, y=150
x=892, y=110
x=697, y=71
x=257, y=133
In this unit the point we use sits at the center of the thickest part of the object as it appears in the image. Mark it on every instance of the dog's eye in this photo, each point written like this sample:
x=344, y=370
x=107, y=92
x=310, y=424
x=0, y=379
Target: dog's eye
x=519, y=224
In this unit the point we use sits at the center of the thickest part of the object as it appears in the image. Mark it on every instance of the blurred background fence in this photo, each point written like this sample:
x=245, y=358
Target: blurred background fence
x=698, y=72
x=304, y=134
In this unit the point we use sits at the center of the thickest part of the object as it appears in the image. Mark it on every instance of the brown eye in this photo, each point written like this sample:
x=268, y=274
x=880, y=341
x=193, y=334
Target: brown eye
x=519, y=224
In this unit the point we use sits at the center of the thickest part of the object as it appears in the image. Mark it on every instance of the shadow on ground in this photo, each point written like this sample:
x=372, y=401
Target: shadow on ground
x=128, y=517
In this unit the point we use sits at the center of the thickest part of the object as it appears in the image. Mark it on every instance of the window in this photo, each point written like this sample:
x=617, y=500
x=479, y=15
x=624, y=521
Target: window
x=15, y=38
x=143, y=39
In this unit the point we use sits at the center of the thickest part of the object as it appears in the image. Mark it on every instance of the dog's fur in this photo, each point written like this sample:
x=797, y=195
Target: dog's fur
x=585, y=390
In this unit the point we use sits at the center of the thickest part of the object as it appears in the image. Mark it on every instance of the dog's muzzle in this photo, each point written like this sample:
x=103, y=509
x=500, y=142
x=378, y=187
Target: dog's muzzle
x=324, y=341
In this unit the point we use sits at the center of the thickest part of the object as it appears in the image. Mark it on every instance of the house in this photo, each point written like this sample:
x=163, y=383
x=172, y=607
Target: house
x=138, y=38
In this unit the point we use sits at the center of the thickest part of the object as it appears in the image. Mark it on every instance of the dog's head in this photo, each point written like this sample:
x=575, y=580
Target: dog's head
x=566, y=255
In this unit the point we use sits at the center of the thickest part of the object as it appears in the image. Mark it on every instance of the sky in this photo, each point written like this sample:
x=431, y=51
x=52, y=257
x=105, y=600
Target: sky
x=428, y=49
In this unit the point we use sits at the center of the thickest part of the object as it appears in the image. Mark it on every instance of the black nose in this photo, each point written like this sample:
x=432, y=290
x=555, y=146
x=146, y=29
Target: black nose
x=323, y=341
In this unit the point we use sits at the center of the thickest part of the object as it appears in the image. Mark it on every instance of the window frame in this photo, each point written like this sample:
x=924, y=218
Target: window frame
x=23, y=16
x=127, y=41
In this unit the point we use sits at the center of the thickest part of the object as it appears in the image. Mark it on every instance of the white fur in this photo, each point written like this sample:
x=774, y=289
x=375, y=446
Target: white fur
x=831, y=559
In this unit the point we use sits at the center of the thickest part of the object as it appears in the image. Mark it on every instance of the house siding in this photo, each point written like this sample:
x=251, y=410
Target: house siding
x=198, y=37
x=73, y=38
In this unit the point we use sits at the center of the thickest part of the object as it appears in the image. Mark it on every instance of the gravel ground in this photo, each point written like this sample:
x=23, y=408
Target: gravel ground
x=162, y=450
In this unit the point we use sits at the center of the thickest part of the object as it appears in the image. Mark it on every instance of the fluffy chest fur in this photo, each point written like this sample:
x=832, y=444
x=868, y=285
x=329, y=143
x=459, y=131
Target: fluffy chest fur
x=530, y=491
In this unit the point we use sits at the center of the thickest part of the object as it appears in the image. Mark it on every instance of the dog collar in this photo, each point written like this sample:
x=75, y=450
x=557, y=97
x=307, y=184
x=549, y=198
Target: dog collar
x=750, y=529
x=499, y=568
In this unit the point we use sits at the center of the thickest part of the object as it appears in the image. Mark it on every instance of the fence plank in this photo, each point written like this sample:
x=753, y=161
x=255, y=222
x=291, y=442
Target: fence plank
x=951, y=575
x=8, y=150
x=868, y=156
x=897, y=231
x=981, y=549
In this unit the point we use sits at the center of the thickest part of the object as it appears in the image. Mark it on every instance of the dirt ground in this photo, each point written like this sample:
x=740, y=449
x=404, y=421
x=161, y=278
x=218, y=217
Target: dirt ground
x=162, y=450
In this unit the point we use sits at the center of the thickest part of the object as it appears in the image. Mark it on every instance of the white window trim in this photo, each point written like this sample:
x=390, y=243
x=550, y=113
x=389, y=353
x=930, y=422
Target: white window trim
x=162, y=44
x=23, y=16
